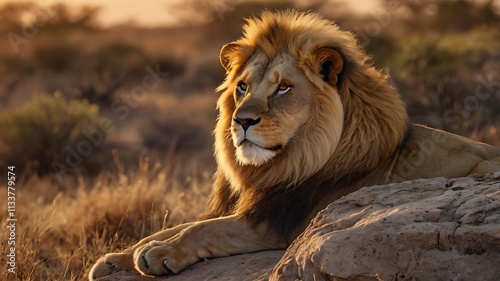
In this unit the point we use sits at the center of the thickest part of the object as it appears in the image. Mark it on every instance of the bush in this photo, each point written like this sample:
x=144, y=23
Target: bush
x=439, y=76
x=36, y=134
x=57, y=57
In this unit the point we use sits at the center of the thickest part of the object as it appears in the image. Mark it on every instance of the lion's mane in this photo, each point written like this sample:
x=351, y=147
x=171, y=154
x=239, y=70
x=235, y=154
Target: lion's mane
x=374, y=123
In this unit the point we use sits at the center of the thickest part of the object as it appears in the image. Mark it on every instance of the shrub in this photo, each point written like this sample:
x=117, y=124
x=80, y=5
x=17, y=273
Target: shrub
x=37, y=133
x=439, y=76
x=56, y=57
x=107, y=69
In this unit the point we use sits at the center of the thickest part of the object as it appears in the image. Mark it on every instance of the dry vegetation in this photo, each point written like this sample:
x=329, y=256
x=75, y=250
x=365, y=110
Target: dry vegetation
x=61, y=232
x=158, y=158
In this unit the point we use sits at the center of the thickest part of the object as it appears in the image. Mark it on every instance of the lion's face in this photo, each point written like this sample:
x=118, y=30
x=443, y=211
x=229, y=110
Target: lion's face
x=278, y=112
x=299, y=99
x=273, y=100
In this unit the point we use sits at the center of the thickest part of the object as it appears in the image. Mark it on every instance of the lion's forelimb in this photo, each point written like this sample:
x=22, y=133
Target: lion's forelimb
x=205, y=239
x=159, y=236
x=124, y=261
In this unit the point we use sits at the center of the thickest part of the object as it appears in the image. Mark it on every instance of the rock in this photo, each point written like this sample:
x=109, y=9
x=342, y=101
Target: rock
x=247, y=267
x=434, y=229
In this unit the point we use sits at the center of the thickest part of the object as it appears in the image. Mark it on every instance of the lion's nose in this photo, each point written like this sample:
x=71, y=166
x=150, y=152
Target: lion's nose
x=246, y=122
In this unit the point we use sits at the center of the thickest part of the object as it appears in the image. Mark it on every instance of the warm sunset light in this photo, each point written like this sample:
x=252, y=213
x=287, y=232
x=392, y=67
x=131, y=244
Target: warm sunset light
x=249, y=140
x=153, y=13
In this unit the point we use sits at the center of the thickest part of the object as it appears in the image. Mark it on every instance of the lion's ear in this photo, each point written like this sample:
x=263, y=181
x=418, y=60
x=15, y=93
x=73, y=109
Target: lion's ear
x=330, y=65
x=227, y=54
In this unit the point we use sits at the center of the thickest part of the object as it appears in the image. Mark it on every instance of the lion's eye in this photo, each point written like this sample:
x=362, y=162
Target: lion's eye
x=283, y=88
x=242, y=88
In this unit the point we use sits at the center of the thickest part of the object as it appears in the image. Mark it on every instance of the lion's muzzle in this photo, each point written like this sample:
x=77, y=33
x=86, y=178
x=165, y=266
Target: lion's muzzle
x=245, y=123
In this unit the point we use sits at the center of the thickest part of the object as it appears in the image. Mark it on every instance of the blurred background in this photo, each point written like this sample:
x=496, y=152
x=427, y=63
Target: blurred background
x=66, y=67
x=105, y=102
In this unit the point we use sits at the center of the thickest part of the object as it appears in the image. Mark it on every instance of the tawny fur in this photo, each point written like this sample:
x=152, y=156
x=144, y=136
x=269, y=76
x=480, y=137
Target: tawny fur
x=376, y=111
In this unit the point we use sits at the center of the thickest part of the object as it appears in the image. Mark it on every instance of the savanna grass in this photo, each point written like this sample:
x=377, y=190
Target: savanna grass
x=61, y=233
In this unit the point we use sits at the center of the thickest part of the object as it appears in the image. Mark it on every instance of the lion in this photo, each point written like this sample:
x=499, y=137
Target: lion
x=304, y=119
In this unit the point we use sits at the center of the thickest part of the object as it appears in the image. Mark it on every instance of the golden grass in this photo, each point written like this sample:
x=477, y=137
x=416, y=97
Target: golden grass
x=59, y=235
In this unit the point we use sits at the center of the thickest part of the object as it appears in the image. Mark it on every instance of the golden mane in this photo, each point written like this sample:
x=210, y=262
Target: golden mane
x=375, y=119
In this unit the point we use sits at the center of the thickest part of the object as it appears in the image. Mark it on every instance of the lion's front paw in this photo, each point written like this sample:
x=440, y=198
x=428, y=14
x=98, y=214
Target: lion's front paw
x=162, y=258
x=111, y=263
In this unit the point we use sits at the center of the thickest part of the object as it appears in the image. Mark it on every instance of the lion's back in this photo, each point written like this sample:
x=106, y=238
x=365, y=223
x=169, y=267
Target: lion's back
x=429, y=153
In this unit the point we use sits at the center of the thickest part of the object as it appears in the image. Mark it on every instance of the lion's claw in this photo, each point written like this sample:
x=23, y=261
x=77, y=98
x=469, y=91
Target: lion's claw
x=165, y=264
x=145, y=262
x=167, y=269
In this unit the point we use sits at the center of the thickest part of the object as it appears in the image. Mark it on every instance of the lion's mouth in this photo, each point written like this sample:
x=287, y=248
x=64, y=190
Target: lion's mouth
x=251, y=153
x=277, y=147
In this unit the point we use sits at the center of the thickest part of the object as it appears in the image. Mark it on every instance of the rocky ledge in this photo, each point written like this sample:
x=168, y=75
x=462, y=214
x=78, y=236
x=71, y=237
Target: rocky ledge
x=433, y=229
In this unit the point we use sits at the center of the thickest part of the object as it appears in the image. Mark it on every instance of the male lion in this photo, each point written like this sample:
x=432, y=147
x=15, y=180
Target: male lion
x=304, y=119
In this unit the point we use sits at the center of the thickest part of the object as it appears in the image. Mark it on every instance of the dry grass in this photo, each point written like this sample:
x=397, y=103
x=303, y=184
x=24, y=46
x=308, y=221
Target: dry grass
x=60, y=234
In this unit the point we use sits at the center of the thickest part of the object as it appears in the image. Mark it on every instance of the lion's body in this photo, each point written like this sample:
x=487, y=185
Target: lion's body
x=424, y=153
x=429, y=153
x=304, y=119
x=375, y=139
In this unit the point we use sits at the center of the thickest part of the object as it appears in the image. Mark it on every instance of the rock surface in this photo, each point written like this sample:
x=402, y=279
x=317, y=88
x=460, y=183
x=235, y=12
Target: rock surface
x=248, y=267
x=435, y=229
